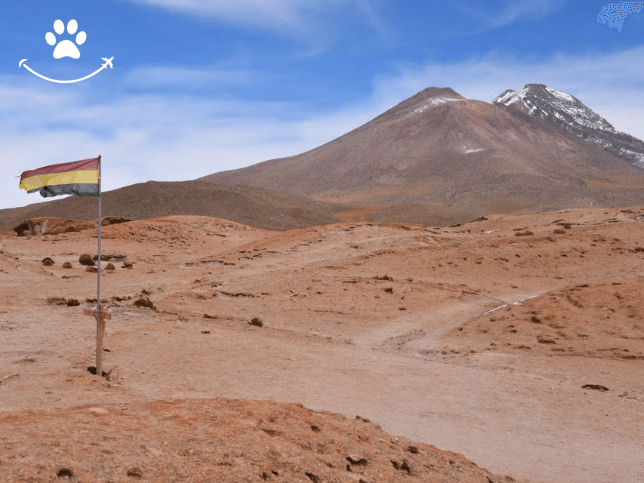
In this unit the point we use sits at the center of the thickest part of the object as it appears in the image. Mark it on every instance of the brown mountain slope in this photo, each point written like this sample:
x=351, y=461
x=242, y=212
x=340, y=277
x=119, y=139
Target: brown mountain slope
x=438, y=154
x=255, y=207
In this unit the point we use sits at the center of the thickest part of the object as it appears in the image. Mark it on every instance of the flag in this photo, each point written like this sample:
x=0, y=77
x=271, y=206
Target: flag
x=75, y=178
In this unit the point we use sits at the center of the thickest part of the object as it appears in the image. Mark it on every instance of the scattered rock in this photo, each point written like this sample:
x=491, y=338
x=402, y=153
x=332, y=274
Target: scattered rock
x=144, y=302
x=56, y=301
x=113, y=220
x=135, y=473
x=357, y=460
x=65, y=473
x=113, y=374
x=98, y=410
x=91, y=269
x=385, y=277
x=596, y=387
x=404, y=466
x=314, y=478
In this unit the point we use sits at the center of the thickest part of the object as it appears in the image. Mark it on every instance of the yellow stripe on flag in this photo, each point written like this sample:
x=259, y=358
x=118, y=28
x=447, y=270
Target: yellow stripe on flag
x=70, y=177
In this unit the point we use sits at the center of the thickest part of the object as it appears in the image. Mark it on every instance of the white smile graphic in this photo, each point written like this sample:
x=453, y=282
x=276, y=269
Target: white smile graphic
x=67, y=48
x=107, y=62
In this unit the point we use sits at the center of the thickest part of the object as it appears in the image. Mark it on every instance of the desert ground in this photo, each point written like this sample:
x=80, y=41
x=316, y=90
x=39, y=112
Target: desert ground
x=358, y=351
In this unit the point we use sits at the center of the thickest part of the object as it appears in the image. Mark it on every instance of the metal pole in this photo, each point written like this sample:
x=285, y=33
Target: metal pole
x=99, y=318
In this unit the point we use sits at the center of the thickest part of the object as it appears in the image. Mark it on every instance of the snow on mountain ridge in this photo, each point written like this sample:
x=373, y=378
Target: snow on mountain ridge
x=570, y=114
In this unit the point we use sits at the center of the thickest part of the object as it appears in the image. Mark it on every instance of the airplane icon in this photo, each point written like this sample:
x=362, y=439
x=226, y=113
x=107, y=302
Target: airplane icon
x=108, y=62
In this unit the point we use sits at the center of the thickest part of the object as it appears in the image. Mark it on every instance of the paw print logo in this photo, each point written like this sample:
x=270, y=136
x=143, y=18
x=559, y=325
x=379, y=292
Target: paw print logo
x=66, y=48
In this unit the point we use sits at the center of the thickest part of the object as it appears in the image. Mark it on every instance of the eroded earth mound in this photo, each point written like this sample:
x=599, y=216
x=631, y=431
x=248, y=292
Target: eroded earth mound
x=211, y=440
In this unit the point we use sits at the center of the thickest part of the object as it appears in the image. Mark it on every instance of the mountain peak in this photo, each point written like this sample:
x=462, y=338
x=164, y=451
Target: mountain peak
x=570, y=114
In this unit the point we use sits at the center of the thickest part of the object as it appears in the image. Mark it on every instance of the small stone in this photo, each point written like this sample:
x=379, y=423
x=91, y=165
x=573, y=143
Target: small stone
x=596, y=387
x=98, y=410
x=357, y=460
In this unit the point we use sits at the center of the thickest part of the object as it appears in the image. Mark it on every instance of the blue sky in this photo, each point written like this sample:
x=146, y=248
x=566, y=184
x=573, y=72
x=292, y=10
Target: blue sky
x=201, y=86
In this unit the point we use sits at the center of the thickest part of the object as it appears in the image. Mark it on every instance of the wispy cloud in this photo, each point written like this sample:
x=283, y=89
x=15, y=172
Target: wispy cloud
x=284, y=15
x=156, y=76
x=513, y=11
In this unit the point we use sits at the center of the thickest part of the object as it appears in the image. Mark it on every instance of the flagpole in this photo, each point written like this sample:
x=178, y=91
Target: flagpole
x=99, y=318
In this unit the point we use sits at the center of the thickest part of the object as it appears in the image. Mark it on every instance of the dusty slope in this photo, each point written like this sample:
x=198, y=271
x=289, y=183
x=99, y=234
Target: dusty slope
x=252, y=206
x=210, y=440
x=358, y=318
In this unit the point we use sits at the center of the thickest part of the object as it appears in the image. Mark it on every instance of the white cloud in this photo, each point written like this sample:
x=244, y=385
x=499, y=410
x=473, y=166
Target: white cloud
x=154, y=76
x=513, y=11
x=283, y=15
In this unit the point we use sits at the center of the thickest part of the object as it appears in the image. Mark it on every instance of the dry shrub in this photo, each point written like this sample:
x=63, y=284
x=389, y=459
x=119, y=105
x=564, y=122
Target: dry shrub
x=128, y=265
x=67, y=265
x=384, y=277
x=73, y=303
x=257, y=322
x=56, y=301
x=91, y=269
x=559, y=231
x=110, y=266
x=47, y=262
x=86, y=259
x=523, y=233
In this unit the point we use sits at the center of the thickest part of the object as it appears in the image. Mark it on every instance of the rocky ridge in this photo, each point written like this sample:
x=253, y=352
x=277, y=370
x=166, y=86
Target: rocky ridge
x=570, y=114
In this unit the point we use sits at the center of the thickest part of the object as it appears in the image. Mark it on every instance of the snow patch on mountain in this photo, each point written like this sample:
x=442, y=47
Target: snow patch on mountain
x=434, y=101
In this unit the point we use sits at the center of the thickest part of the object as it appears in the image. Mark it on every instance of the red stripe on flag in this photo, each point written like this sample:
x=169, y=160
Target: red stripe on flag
x=83, y=165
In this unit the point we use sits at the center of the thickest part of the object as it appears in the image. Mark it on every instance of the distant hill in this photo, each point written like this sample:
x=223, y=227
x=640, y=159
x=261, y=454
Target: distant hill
x=438, y=158
x=251, y=206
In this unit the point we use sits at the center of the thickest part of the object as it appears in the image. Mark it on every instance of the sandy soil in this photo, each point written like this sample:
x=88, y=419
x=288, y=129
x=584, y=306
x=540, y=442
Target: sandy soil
x=476, y=339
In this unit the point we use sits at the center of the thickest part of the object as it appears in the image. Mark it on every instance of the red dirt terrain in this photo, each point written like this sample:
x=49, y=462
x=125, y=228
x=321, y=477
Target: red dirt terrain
x=218, y=440
x=516, y=341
